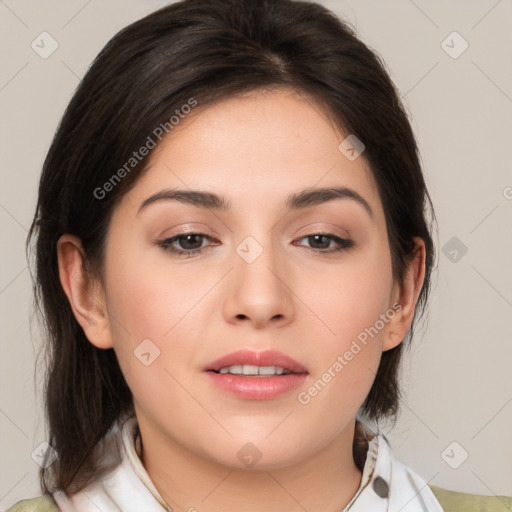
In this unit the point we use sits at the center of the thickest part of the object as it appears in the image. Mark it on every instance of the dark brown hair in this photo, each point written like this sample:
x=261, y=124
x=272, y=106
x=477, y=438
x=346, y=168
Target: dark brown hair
x=207, y=50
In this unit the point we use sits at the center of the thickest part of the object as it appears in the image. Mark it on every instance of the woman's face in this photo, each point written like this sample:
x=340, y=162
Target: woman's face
x=261, y=281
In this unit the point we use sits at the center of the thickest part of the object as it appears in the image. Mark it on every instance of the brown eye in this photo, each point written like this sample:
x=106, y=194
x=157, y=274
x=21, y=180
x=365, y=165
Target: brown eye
x=324, y=240
x=184, y=243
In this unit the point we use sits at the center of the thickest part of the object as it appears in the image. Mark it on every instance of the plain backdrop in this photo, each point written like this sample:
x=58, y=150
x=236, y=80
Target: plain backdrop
x=451, y=60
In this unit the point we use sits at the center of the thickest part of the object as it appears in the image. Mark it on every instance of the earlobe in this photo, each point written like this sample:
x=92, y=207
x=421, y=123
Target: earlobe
x=406, y=296
x=83, y=292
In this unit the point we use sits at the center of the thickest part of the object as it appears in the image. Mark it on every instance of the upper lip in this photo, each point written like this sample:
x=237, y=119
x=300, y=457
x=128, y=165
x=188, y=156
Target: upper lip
x=262, y=358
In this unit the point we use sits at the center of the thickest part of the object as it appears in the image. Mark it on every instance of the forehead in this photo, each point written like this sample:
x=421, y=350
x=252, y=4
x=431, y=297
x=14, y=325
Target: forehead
x=255, y=150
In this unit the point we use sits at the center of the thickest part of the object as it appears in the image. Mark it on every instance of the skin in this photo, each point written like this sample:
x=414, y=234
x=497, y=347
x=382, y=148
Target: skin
x=255, y=150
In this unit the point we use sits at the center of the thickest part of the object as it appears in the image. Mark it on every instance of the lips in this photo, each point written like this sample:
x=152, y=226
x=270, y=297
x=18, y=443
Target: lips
x=264, y=358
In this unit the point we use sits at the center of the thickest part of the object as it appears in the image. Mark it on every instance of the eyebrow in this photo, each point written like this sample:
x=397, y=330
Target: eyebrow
x=299, y=200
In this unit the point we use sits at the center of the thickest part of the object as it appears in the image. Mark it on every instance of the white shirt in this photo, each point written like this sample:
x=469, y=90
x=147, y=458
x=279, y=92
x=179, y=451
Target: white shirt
x=387, y=484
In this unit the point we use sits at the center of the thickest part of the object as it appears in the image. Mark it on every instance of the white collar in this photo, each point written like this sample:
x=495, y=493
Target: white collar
x=387, y=484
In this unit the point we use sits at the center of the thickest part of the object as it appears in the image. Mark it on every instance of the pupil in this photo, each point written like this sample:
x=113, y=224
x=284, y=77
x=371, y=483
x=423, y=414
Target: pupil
x=187, y=240
x=317, y=237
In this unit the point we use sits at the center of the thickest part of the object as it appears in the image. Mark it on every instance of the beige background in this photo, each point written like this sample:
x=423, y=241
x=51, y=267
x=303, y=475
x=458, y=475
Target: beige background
x=458, y=378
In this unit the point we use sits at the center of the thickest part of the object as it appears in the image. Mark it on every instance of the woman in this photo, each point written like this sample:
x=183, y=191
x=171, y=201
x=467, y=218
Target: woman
x=232, y=247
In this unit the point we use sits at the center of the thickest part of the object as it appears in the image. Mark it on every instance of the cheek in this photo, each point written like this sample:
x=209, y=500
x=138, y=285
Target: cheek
x=145, y=297
x=148, y=314
x=352, y=298
x=352, y=303
x=155, y=312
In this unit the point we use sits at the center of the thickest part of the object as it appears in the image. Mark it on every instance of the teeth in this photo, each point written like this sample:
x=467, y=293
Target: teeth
x=249, y=369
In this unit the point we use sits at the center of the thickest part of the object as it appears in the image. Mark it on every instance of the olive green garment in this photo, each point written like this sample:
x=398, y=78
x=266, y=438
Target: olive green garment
x=451, y=501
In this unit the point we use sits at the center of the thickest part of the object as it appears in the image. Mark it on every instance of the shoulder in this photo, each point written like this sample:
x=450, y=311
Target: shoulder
x=41, y=504
x=453, y=501
x=410, y=487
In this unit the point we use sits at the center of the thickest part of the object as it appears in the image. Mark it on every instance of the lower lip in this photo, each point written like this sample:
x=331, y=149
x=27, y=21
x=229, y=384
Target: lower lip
x=257, y=388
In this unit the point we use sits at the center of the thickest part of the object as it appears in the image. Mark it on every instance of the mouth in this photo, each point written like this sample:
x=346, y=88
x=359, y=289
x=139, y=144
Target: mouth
x=256, y=375
x=256, y=364
x=250, y=370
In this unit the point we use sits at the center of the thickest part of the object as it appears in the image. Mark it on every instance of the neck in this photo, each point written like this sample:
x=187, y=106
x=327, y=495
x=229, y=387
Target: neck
x=326, y=481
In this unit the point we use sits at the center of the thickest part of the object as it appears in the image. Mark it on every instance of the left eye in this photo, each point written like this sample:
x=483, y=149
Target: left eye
x=191, y=243
x=323, y=238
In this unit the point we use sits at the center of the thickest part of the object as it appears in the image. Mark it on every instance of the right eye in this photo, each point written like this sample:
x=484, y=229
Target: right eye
x=188, y=242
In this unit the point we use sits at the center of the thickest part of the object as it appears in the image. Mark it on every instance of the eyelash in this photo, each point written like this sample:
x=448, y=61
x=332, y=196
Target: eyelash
x=167, y=246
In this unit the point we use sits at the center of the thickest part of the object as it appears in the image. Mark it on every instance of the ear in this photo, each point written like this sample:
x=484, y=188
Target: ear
x=405, y=296
x=84, y=293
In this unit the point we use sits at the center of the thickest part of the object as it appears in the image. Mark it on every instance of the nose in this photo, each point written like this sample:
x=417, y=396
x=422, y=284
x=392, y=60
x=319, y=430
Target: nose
x=259, y=293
